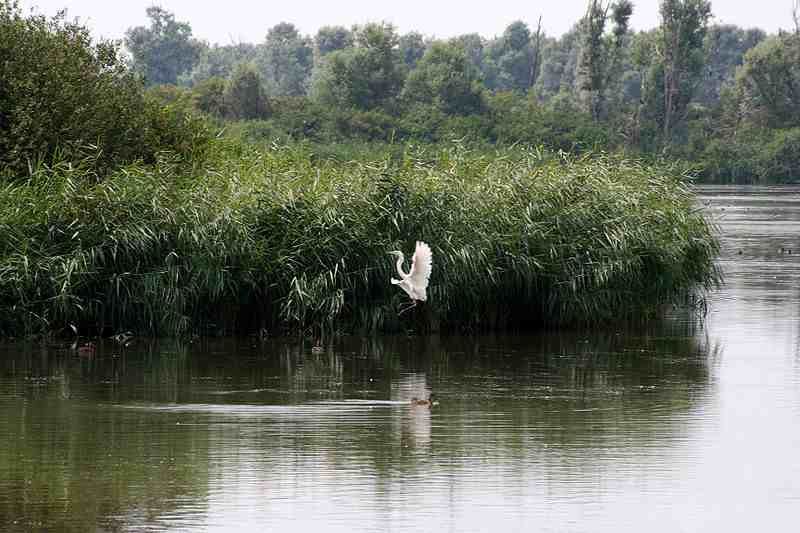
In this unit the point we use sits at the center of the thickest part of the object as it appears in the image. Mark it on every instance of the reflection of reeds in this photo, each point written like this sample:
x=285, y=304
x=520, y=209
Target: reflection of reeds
x=527, y=400
x=276, y=240
x=70, y=467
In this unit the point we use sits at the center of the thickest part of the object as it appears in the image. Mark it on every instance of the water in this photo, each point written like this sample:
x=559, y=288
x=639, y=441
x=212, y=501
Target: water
x=681, y=426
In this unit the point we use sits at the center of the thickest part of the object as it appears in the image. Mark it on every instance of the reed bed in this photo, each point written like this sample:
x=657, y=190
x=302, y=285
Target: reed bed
x=280, y=240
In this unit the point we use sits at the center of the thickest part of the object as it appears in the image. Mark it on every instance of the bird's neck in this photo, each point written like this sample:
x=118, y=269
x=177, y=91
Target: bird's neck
x=400, y=261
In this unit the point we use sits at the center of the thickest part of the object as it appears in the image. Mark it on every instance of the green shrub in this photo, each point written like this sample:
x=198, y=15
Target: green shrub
x=302, y=118
x=245, y=98
x=559, y=124
x=729, y=161
x=755, y=155
x=371, y=125
x=65, y=98
x=208, y=97
x=779, y=160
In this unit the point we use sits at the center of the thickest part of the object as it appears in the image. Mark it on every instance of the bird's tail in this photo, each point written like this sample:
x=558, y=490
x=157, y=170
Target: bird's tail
x=396, y=281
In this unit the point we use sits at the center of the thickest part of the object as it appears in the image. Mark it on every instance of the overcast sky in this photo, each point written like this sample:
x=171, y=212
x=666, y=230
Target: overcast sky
x=247, y=21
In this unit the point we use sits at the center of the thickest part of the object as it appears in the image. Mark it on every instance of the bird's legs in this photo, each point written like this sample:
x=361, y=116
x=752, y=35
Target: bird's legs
x=406, y=308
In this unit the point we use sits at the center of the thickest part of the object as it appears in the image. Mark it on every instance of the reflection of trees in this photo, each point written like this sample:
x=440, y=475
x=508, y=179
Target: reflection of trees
x=560, y=392
x=574, y=392
x=68, y=464
x=128, y=434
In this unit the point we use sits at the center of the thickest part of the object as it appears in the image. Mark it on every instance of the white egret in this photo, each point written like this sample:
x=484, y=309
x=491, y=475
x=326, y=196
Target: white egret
x=415, y=283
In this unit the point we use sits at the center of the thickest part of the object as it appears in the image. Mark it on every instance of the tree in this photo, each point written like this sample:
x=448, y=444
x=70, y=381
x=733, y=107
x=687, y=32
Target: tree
x=536, y=53
x=768, y=84
x=245, y=98
x=163, y=51
x=332, y=38
x=680, y=49
x=445, y=78
x=218, y=61
x=66, y=98
x=511, y=59
x=517, y=36
x=286, y=60
x=600, y=56
x=796, y=15
x=559, y=64
x=725, y=47
x=472, y=43
x=367, y=76
x=412, y=47
x=600, y=53
x=209, y=96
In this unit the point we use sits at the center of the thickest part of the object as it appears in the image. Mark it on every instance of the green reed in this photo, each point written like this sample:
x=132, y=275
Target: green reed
x=280, y=239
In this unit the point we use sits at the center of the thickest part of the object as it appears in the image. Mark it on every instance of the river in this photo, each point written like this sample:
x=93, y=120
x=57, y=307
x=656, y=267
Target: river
x=690, y=424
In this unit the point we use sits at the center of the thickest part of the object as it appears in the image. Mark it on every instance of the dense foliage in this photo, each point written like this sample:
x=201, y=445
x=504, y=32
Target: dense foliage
x=65, y=98
x=284, y=240
x=119, y=210
x=687, y=89
x=165, y=49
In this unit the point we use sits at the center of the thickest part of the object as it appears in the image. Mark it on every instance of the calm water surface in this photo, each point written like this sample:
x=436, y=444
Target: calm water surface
x=682, y=426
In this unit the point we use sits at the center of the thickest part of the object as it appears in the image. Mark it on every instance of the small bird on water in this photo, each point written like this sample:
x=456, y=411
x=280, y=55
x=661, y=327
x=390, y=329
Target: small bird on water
x=430, y=402
x=415, y=283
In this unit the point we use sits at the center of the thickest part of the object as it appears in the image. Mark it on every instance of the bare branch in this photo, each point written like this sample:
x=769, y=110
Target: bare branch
x=537, y=54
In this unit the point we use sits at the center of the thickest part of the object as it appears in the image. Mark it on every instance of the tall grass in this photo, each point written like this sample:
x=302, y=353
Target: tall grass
x=283, y=240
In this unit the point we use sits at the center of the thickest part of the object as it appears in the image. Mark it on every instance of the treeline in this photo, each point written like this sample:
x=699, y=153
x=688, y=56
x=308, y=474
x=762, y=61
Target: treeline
x=722, y=97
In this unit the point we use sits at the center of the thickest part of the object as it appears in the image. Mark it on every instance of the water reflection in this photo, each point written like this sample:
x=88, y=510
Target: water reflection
x=182, y=436
x=687, y=425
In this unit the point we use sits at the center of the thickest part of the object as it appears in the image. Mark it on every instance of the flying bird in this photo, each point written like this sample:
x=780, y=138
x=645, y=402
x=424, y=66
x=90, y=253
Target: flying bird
x=415, y=283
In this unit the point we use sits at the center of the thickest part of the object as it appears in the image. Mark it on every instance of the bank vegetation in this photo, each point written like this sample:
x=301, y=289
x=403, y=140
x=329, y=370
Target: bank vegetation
x=119, y=212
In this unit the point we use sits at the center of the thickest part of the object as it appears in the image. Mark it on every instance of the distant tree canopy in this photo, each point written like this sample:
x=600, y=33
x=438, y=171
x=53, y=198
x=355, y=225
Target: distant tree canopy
x=680, y=53
x=445, y=78
x=218, y=61
x=600, y=55
x=412, y=47
x=508, y=61
x=367, y=76
x=164, y=50
x=332, y=38
x=769, y=82
x=726, y=46
x=285, y=60
x=686, y=88
x=600, y=63
x=559, y=64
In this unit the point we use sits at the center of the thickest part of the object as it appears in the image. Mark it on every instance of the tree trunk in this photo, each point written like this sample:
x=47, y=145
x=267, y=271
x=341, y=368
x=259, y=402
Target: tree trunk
x=537, y=53
x=796, y=16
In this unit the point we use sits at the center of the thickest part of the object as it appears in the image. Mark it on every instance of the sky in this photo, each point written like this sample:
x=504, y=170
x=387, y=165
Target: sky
x=234, y=21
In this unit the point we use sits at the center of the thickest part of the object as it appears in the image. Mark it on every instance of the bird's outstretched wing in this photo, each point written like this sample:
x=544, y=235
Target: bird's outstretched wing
x=421, y=265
